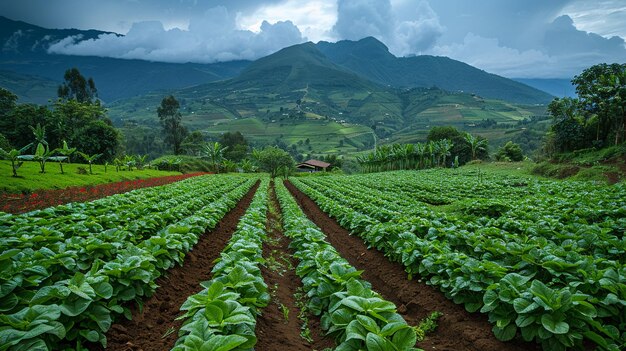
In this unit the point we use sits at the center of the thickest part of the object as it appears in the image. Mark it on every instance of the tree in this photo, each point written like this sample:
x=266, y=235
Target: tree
x=97, y=137
x=510, y=152
x=171, y=121
x=76, y=87
x=193, y=143
x=16, y=124
x=274, y=160
x=215, y=153
x=568, y=130
x=601, y=92
x=461, y=147
x=237, y=145
x=8, y=101
x=476, y=144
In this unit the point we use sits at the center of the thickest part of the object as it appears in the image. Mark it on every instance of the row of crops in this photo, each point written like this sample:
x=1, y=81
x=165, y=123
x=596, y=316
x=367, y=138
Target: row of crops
x=67, y=272
x=545, y=260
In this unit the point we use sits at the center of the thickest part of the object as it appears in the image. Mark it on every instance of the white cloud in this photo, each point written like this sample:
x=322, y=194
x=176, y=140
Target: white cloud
x=606, y=17
x=314, y=18
x=561, y=51
x=211, y=37
x=413, y=30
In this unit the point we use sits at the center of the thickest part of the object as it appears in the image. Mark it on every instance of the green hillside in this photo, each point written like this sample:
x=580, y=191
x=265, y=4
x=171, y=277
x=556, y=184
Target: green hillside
x=371, y=59
x=29, y=88
x=338, y=111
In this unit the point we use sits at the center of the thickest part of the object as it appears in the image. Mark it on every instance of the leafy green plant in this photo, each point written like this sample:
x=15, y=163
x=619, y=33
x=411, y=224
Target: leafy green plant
x=90, y=159
x=356, y=317
x=14, y=157
x=65, y=152
x=224, y=312
x=545, y=265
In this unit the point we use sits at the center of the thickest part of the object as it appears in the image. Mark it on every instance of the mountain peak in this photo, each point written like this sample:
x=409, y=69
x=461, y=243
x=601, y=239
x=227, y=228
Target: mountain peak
x=368, y=48
x=296, y=66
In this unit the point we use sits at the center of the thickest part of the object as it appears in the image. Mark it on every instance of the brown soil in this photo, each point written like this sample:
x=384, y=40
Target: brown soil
x=457, y=330
x=146, y=330
x=274, y=332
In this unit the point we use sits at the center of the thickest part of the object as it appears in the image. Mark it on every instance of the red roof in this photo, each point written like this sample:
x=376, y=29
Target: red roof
x=316, y=163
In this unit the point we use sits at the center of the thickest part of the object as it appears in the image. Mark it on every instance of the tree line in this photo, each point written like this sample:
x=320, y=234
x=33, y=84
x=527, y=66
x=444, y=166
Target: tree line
x=596, y=118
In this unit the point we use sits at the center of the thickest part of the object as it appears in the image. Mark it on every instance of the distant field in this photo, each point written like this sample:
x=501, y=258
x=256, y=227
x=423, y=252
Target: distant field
x=336, y=120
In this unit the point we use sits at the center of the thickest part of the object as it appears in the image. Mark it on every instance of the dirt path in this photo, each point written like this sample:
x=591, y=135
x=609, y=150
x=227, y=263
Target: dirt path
x=155, y=328
x=279, y=325
x=458, y=329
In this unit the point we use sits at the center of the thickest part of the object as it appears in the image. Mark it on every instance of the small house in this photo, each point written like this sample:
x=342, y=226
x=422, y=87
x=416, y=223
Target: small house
x=312, y=166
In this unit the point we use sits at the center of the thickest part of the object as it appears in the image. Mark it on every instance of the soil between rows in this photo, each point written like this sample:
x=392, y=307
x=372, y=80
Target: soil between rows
x=274, y=330
x=457, y=328
x=148, y=328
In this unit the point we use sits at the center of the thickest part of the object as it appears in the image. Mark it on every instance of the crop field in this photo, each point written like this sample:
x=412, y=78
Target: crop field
x=543, y=260
x=437, y=259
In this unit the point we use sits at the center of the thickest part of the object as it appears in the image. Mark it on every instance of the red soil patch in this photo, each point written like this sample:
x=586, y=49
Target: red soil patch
x=457, y=330
x=147, y=329
x=274, y=332
x=20, y=203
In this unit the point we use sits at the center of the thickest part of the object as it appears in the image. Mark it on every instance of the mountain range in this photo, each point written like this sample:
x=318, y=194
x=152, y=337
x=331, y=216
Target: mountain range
x=315, y=98
x=24, y=51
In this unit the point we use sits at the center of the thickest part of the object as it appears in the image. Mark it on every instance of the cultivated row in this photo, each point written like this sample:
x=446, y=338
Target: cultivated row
x=561, y=286
x=66, y=293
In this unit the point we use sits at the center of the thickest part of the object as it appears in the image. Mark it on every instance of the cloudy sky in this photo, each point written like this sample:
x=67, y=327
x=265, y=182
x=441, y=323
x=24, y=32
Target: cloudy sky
x=513, y=38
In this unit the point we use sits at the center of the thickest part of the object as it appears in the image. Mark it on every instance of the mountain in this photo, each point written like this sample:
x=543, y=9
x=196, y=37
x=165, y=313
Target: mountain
x=371, y=59
x=297, y=67
x=299, y=94
x=24, y=51
x=554, y=86
x=29, y=88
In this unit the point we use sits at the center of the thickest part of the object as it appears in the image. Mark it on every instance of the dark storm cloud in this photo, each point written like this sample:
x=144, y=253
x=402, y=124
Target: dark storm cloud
x=115, y=15
x=531, y=38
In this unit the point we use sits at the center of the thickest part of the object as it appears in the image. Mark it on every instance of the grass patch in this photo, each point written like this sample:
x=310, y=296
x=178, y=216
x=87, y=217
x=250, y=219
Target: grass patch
x=30, y=179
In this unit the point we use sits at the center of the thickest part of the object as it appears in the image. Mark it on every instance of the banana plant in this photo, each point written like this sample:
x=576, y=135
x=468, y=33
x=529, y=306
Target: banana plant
x=89, y=158
x=42, y=155
x=129, y=161
x=141, y=160
x=65, y=152
x=14, y=157
x=118, y=164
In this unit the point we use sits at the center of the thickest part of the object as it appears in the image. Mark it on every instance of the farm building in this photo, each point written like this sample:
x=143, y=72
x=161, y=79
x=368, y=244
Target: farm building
x=312, y=166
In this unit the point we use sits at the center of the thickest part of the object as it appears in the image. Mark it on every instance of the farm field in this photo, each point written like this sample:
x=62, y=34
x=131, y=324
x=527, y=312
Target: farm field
x=437, y=259
x=543, y=260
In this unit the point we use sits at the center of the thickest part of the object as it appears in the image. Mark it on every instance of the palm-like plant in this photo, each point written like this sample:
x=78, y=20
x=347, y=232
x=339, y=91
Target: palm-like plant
x=247, y=166
x=141, y=160
x=421, y=150
x=129, y=161
x=42, y=155
x=476, y=144
x=445, y=146
x=89, y=158
x=65, y=152
x=215, y=153
x=14, y=157
x=40, y=135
